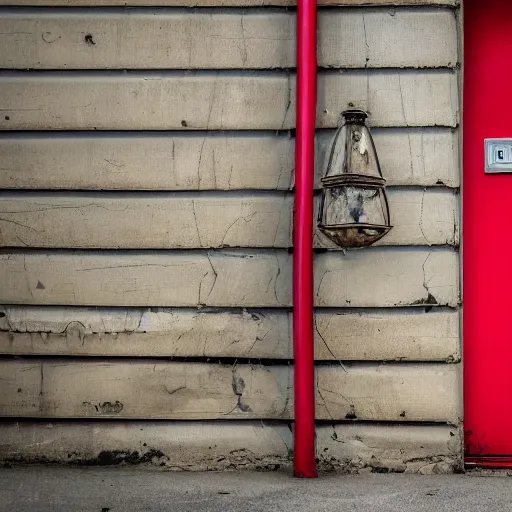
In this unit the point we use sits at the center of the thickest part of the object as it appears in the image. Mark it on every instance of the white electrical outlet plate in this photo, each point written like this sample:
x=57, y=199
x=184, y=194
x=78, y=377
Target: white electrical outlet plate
x=498, y=156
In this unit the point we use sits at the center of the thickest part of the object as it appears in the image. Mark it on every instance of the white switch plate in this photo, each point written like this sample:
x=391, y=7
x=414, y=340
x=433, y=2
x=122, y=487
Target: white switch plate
x=498, y=156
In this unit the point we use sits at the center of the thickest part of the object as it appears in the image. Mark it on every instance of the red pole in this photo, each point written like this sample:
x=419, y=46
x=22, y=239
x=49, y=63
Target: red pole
x=304, y=382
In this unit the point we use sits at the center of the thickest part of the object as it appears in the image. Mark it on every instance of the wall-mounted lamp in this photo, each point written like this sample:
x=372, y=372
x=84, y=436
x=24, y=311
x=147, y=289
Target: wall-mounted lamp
x=354, y=210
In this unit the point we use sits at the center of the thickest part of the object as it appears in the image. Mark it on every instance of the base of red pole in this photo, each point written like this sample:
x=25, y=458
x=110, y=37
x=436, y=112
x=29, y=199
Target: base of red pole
x=504, y=462
x=305, y=475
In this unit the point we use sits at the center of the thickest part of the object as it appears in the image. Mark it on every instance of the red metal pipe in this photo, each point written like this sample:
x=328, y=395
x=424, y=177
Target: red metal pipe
x=304, y=380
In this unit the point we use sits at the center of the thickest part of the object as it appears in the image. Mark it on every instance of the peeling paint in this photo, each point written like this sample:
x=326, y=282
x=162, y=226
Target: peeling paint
x=104, y=408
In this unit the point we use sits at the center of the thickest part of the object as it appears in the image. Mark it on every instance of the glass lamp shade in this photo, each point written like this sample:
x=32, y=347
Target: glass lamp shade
x=354, y=209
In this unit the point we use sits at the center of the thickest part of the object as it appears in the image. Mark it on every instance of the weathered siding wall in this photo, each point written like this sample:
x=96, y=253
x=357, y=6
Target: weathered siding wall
x=145, y=266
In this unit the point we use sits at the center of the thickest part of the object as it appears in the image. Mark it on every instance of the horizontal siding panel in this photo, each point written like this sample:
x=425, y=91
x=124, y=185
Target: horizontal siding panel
x=182, y=221
x=221, y=3
x=385, y=276
x=390, y=447
x=372, y=278
x=219, y=101
x=379, y=335
x=164, y=222
x=217, y=446
x=206, y=40
x=161, y=390
x=410, y=392
x=425, y=157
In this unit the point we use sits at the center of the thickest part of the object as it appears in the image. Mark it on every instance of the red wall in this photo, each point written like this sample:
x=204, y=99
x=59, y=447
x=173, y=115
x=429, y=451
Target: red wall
x=487, y=230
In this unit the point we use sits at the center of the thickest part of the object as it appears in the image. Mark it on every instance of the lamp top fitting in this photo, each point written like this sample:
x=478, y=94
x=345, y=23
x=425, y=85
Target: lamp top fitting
x=355, y=116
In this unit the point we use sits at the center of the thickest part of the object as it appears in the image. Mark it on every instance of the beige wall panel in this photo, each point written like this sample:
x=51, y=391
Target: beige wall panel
x=176, y=221
x=219, y=101
x=216, y=446
x=380, y=335
x=202, y=40
x=147, y=221
x=410, y=335
x=390, y=447
x=340, y=395
x=371, y=278
x=224, y=278
x=388, y=38
x=146, y=333
x=151, y=161
x=143, y=390
x=223, y=162
x=220, y=3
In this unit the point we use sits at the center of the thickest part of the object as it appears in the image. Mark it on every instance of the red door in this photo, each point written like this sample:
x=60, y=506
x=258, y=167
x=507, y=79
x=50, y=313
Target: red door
x=487, y=235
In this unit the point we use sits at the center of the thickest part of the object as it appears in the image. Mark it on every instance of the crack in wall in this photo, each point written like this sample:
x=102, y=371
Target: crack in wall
x=430, y=297
x=277, y=277
x=324, y=402
x=196, y=224
x=367, y=60
x=315, y=320
x=288, y=101
x=319, y=289
x=238, y=386
x=405, y=121
x=244, y=47
x=199, y=302
x=214, y=274
x=19, y=224
x=284, y=206
x=172, y=392
x=421, y=216
x=134, y=265
x=212, y=102
x=289, y=386
x=64, y=207
x=27, y=278
x=246, y=219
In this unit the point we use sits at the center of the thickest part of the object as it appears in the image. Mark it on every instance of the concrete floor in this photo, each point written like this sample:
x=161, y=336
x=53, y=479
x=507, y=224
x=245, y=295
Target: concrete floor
x=59, y=489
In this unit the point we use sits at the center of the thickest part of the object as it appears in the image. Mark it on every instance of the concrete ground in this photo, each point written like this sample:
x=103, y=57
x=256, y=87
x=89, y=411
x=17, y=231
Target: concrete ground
x=64, y=489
